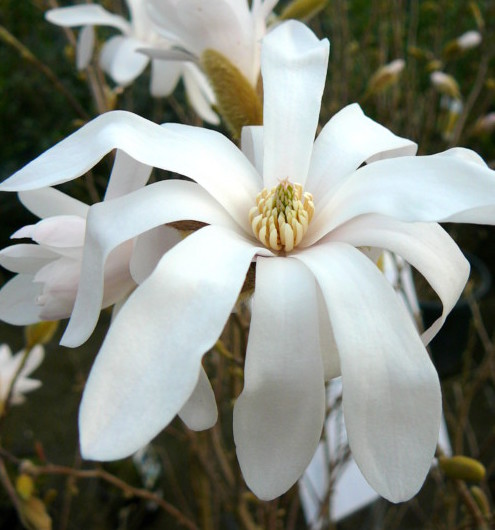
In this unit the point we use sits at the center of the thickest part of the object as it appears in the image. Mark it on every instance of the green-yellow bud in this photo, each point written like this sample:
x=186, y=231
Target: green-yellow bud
x=462, y=468
x=303, y=9
x=237, y=100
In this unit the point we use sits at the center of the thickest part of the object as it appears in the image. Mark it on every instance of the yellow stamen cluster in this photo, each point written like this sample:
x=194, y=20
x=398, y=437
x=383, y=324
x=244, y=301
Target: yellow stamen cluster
x=282, y=215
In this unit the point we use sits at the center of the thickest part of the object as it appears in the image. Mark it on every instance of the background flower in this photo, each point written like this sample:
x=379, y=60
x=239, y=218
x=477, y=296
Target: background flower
x=120, y=56
x=9, y=364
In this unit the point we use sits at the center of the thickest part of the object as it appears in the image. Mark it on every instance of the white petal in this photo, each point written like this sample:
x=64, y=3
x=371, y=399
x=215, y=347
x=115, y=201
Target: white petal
x=25, y=259
x=199, y=94
x=35, y=358
x=391, y=393
x=347, y=140
x=279, y=415
x=164, y=77
x=127, y=175
x=59, y=281
x=436, y=188
x=222, y=26
x=329, y=350
x=86, y=15
x=154, y=205
x=200, y=411
x=117, y=278
x=49, y=202
x=427, y=247
x=85, y=46
x=252, y=145
x=294, y=66
x=56, y=232
x=206, y=156
x=149, y=249
x=149, y=363
x=18, y=301
x=121, y=61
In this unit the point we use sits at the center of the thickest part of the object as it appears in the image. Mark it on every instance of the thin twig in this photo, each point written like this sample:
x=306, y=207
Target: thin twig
x=29, y=56
x=127, y=489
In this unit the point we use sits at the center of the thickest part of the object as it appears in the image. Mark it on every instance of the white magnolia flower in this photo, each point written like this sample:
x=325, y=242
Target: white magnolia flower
x=120, y=57
x=9, y=365
x=230, y=27
x=47, y=272
x=319, y=310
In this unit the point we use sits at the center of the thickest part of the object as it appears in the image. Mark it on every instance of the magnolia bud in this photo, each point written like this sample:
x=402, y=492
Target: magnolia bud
x=445, y=84
x=238, y=102
x=462, y=468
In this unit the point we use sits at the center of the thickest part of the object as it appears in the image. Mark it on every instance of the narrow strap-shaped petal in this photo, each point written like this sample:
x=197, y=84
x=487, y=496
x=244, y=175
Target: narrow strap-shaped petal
x=18, y=301
x=149, y=363
x=294, y=67
x=206, y=156
x=200, y=411
x=426, y=246
x=391, y=393
x=127, y=175
x=86, y=15
x=147, y=208
x=49, y=202
x=347, y=140
x=279, y=415
x=448, y=186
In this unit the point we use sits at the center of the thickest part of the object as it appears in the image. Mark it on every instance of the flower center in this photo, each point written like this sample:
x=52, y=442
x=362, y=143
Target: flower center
x=282, y=215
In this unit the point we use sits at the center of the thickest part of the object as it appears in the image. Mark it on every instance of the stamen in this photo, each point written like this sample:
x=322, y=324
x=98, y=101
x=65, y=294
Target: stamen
x=282, y=215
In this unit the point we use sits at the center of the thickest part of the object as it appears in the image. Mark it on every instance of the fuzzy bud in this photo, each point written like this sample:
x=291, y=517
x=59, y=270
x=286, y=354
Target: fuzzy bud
x=238, y=102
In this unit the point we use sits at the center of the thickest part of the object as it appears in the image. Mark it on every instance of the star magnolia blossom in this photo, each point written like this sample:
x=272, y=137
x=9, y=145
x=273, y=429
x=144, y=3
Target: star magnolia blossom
x=9, y=365
x=319, y=310
x=226, y=26
x=122, y=61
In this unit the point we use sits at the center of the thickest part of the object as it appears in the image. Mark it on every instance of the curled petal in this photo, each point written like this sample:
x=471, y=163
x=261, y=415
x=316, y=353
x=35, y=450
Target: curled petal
x=426, y=246
x=86, y=15
x=450, y=186
x=206, y=156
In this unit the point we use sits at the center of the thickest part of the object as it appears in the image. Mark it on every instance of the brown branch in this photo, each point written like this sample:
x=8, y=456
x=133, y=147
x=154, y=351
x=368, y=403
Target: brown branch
x=101, y=474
